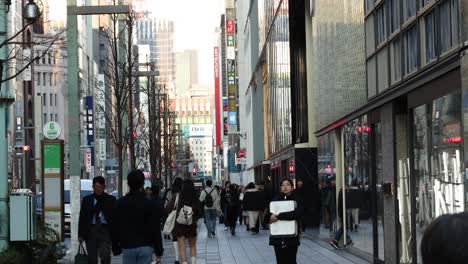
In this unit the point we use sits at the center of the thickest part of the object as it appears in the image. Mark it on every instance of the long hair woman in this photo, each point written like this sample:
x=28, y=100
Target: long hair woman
x=168, y=200
x=286, y=247
x=188, y=197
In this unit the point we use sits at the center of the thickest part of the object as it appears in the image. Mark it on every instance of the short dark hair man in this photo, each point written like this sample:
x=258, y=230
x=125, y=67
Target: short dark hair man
x=95, y=222
x=211, y=201
x=137, y=224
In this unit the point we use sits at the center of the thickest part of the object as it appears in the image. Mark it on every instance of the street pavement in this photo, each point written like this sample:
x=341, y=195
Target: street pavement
x=245, y=248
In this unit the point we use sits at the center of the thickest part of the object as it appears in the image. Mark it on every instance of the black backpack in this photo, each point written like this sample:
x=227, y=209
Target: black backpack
x=208, y=199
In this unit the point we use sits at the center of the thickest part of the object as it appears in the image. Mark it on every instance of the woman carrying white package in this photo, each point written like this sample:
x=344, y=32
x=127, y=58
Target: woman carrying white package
x=286, y=246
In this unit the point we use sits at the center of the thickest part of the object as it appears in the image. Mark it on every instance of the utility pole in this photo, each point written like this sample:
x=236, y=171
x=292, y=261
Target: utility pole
x=130, y=68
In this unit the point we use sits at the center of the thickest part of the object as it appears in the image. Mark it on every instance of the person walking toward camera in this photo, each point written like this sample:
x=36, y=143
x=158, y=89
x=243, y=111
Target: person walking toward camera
x=169, y=197
x=211, y=202
x=286, y=246
x=95, y=221
x=188, y=208
x=136, y=231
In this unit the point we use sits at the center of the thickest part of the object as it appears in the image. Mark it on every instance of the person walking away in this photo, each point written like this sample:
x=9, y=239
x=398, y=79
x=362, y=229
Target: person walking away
x=188, y=212
x=223, y=203
x=233, y=207
x=96, y=215
x=339, y=234
x=158, y=204
x=444, y=240
x=286, y=247
x=253, y=203
x=169, y=197
x=210, y=200
x=355, y=201
x=135, y=232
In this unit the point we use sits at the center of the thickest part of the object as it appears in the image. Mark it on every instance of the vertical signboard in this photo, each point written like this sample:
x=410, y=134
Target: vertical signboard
x=100, y=108
x=90, y=125
x=217, y=98
x=52, y=184
x=231, y=75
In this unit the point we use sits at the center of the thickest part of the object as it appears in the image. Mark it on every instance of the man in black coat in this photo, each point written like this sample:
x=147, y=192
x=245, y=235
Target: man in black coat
x=136, y=228
x=95, y=222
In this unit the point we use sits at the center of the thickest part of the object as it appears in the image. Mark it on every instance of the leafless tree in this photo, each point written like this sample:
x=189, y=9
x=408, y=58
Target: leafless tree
x=118, y=73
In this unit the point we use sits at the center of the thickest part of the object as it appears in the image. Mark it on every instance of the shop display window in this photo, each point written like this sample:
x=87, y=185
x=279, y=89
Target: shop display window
x=437, y=148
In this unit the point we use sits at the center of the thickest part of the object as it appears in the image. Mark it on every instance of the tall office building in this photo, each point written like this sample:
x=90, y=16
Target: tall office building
x=186, y=72
x=158, y=34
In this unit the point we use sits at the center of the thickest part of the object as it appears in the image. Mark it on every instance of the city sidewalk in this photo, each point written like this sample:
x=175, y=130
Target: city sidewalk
x=245, y=248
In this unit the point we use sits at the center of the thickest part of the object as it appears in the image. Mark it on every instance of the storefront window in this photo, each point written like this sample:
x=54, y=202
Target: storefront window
x=357, y=184
x=437, y=161
x=326, y=166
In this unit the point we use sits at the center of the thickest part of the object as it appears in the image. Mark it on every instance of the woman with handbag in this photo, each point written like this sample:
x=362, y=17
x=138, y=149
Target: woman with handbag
x=286, y=246
x=188, y=211
x=169, y=198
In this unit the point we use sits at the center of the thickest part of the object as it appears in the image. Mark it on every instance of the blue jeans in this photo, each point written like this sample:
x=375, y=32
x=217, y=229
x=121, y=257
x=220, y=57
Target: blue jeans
x=210, y=218
x=139, y=255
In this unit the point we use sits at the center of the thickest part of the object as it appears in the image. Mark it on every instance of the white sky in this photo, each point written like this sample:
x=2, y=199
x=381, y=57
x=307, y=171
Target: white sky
x=195, y=24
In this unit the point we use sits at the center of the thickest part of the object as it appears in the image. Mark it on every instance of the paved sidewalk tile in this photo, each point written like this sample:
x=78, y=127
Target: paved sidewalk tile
x=245, y=248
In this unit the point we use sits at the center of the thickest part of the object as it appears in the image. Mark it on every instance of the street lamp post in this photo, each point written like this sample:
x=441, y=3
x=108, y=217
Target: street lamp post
x=73, y=11
x=6, y=99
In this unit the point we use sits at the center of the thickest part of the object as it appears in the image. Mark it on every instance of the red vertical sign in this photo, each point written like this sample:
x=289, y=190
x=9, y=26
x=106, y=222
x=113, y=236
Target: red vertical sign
x=230, y=27
x=217, y=97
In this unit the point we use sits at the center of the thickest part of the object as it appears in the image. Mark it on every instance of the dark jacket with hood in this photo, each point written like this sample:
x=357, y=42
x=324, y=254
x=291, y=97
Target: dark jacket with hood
x=292, y=215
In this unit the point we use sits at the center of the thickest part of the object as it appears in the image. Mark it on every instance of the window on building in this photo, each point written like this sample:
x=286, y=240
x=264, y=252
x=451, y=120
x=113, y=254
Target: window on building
x=44, y=99
x=381, y=25
x=44, y=78
x=428, y=38
x=382, y=69
x=38, y=78
x=371, y=78
x=411, y=50
x=394, y=12
x=369, y=5
x=45, y=119
x=55, y=99
x=51, y=100
x=449, y=25
x=56, y=117
x=37, y=57
x=49, y=56
x=370, y=36
x=43, y=58
x=50, y=79
x=409, y=9
x=423, y=3
x=51, y=117
x=395, y=60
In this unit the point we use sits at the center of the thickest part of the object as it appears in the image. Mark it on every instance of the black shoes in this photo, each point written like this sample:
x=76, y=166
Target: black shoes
x=335, y=244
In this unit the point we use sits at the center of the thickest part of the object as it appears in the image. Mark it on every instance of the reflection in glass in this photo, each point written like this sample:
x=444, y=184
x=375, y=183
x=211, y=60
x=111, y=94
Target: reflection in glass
x=378, y=188
x=326, y=166
x=437, y=161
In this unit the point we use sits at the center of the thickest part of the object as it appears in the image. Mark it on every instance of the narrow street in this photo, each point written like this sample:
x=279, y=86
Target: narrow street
x=246, y=248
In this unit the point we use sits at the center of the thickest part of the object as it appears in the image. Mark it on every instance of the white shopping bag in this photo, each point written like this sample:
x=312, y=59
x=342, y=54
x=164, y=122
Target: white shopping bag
x=283, y=227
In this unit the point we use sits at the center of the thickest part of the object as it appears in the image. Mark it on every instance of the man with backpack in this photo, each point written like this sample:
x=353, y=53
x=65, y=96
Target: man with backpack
x=210, y=199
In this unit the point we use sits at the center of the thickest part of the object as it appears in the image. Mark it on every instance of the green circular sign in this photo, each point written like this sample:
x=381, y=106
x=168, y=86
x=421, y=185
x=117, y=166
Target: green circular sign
x=52, y=130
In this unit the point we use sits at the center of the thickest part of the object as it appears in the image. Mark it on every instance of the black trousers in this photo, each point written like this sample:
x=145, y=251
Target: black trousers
x=286, y=255
x=99, y=244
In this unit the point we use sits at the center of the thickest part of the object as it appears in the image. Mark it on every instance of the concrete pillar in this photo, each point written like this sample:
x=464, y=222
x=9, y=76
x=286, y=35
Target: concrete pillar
x=389, y=172
x=74, y=125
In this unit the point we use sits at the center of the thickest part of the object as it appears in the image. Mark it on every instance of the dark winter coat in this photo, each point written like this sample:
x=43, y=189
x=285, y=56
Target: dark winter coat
x=293, y=215
x=88, y=209
x=254, y=200
x=135, y=223
x=232, y=208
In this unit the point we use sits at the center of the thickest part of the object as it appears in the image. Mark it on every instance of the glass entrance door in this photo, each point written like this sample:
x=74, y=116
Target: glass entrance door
x=377, y=192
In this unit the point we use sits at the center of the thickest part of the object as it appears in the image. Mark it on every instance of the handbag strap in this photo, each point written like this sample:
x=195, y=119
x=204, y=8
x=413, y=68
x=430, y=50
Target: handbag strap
x=176, y=204
x=81, y=249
